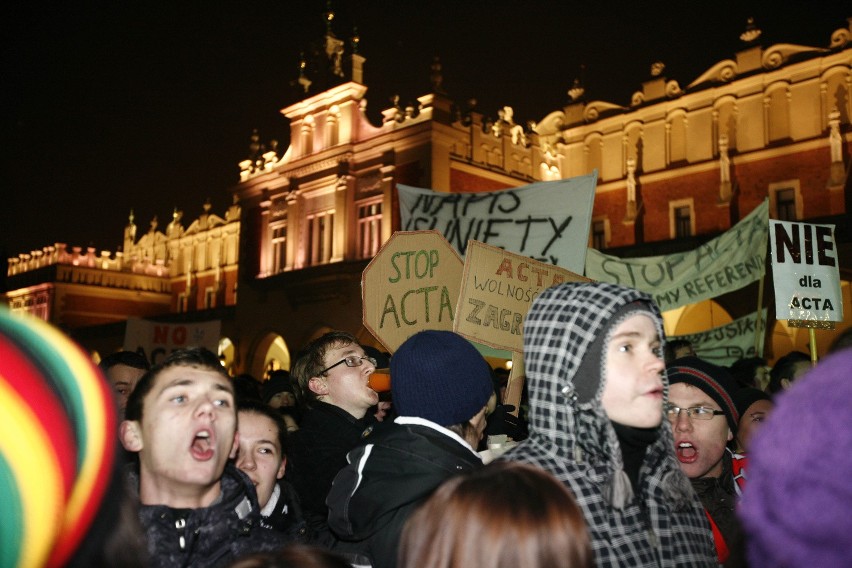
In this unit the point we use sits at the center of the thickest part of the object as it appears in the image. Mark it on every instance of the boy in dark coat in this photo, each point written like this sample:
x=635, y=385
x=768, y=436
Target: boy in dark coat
x=196, y=509
x=441, y=386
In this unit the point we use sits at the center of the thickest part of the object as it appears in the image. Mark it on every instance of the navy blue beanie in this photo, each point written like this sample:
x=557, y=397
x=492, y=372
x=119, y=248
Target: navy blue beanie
x=439, y=376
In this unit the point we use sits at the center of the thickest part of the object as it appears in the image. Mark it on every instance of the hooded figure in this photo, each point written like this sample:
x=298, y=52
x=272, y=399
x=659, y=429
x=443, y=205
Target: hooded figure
x=639, y=507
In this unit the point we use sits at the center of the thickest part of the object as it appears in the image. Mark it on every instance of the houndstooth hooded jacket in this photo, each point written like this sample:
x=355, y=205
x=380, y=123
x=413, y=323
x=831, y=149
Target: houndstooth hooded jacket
x=664, y=523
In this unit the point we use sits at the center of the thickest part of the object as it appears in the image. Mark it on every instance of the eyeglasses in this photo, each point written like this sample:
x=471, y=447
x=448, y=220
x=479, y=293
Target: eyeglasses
x=351, y=361
x=696, y=412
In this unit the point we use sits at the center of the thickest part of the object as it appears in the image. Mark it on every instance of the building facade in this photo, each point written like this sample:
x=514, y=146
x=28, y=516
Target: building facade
x=678, y=166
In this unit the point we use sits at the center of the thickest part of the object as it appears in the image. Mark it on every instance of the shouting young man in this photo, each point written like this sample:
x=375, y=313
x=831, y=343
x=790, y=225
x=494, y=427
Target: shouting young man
x=704, y=419
x=196, y=509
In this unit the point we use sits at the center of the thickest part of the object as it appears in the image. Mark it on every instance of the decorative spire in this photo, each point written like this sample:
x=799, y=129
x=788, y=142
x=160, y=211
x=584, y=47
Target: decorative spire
x=356, y=39
x=577, y=90
x=751, y=33
x=657, y=68
x=303, y=79
x=303, y=64
x=436, y=76
x=254, y=146
x=329, y=17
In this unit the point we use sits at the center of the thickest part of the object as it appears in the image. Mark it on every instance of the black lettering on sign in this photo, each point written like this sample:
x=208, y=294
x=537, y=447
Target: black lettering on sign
x=805, y=241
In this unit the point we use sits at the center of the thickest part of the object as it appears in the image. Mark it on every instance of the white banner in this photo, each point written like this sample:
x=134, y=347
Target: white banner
x=727, y=263
x=725, y=344
x=548, y=221
x=155, y=340
x=806, y=272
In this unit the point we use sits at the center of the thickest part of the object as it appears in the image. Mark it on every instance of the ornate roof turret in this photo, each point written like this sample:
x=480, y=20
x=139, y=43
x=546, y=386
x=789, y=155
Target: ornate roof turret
x=355, y=41
x=329, y=62
x=576, y=91
x=751, y=33
x=437, y=76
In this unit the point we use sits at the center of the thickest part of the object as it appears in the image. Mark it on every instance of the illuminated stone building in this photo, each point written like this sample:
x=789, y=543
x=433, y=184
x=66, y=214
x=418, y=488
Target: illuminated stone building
x=172, y=273
x=677, y=166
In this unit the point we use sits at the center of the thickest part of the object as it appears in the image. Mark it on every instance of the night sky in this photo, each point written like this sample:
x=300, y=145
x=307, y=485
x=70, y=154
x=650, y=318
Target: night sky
x=150, y=105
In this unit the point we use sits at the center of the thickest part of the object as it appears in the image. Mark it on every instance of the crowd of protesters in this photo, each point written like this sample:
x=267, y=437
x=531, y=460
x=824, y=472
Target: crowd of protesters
x=624, y=451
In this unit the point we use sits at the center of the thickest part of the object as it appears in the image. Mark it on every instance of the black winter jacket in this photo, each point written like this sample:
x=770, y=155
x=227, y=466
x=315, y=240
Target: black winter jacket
x=211, y=536
x=401, y=464
x=719, y=497
x=316, y=452
x=285, y=515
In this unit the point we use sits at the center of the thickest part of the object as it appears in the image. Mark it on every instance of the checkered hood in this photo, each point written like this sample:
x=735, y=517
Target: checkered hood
x=664, y=523
x=561, y=325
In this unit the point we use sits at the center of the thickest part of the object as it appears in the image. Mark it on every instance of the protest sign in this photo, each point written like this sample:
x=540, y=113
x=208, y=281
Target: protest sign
x=727, y=263
x=548, y=221
x=411, y=284
x=806, y=272
x=155, y=340
x=497, y=290
x=725, y=344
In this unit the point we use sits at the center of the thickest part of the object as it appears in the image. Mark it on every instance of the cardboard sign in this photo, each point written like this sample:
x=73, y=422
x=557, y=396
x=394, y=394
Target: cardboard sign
x=806, y=272
x=411, y=284
x=155, y=340
x=547, y=220
x=497, y=290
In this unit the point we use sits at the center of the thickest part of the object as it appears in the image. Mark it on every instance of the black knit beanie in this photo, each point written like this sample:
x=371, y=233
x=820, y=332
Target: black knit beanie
x=714, y=380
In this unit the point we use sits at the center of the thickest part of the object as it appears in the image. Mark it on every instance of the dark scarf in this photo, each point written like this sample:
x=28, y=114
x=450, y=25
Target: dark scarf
x=634, y=444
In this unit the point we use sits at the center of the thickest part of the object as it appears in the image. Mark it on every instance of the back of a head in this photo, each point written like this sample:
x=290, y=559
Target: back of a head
x=246, y=387
x=842, y=341
x=441, y=377
x=294, y=555
x=61, y=493
x=505, y=515
x=795, y=508
x=745, y=370
x=785, y=369
x=677, y=348
x=129, y=358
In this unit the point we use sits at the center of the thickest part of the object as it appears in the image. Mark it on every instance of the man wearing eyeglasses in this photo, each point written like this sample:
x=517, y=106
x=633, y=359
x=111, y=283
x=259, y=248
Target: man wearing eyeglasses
x=704, y=419
x=333, y=373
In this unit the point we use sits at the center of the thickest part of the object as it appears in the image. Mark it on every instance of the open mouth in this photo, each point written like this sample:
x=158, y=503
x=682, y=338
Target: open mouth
x=202, y=445
x=686, y=452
